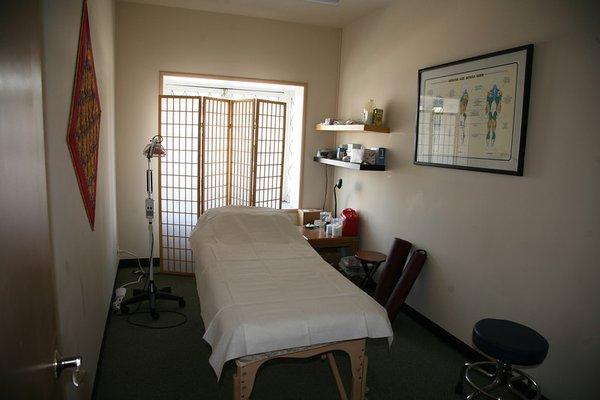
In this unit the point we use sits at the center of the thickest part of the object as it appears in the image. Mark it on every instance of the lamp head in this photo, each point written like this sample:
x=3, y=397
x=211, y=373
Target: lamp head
x=338, y=184
x=154, y=148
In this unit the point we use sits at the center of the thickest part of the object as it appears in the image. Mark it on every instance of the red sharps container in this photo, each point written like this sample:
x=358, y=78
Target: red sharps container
x=350, y=220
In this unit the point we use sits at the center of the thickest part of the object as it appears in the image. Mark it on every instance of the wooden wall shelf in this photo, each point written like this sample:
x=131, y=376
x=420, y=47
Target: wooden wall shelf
x=352, y=128
x=348, y=164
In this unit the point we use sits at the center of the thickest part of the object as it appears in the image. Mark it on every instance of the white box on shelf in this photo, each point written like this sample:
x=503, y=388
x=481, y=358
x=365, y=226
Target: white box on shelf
x=356, y=155
x=352, y=146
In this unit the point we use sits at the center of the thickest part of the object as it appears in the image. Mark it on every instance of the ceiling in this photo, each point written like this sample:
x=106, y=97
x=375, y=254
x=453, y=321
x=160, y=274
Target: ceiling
x=301, y=11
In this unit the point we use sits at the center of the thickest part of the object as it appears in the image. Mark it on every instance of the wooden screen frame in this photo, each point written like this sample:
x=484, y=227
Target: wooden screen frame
x=201, y=126
x=304, y=85
x=198, y=184
x=252, y=159
x=200, y=171
x=202, y=148
x=255, y=145
x=257, y=103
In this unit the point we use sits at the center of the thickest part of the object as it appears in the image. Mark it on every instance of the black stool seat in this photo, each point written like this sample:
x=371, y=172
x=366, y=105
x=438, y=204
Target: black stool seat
x=510, y=342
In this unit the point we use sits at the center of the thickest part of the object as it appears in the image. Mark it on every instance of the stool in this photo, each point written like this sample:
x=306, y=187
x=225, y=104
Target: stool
x=508, y=343
x=370, y=259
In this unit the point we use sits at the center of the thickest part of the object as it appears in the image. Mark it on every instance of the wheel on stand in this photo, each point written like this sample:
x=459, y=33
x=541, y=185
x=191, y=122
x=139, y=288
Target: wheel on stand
x=460, y=388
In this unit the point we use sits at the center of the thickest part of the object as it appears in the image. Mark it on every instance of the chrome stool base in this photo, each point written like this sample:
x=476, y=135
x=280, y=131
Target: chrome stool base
x=503, y=375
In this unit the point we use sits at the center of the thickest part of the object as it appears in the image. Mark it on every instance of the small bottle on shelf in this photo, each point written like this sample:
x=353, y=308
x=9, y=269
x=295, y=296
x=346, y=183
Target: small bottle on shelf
x=367, y=116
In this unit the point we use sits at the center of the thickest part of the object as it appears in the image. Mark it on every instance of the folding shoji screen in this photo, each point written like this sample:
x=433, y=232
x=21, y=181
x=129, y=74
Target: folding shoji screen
x=241, y=152
x=215, y=152
x=179, y=121
x=270, y=140
x=219, y=152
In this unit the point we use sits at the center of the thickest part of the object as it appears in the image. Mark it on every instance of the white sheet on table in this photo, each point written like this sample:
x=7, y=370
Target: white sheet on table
x=263, y=288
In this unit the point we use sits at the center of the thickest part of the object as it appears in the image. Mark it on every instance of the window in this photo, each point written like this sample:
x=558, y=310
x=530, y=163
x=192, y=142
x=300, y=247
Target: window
x=228, y=143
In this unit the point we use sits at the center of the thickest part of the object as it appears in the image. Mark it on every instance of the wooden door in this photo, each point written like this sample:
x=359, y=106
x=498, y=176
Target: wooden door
x=28, y=333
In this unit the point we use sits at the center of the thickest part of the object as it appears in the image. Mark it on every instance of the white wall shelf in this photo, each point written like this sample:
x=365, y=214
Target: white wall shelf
x=348, y=164
x=352, y=128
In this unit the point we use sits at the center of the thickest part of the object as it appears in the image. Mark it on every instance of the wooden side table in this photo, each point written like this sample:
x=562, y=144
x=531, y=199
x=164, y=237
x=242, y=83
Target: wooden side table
x=370, y=261
x=319, y=240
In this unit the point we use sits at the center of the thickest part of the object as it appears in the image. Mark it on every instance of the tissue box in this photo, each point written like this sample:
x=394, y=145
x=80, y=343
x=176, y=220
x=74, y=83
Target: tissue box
x=356, y=155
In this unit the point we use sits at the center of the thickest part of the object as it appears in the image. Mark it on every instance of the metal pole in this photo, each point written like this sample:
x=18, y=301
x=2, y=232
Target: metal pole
x=150, y=215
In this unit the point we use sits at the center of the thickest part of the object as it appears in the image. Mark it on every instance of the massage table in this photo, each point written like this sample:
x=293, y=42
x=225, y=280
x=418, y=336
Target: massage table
x=265, y=293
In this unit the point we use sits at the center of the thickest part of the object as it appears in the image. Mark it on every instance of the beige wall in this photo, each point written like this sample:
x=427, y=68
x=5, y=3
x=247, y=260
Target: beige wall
x=151, y=39
x=524, y=248
x=85, y=261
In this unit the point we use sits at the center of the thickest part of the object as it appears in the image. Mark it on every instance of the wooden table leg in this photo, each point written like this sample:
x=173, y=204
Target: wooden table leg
x=364, y=380
x=237, y=384
x=245, y=375
x=354, y=247
x=336, y=376
x=243, y=380
x=369, y=273
x=356, y=351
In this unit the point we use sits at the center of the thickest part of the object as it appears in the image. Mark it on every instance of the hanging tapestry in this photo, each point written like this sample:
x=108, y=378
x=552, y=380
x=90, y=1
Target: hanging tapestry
x=84, y=120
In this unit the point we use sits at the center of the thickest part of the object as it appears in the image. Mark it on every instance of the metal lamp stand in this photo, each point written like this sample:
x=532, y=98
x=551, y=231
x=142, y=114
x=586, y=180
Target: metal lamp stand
x=152, y=293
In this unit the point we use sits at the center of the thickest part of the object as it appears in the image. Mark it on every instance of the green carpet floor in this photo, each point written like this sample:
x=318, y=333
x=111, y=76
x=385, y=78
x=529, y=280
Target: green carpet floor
x=172, y=364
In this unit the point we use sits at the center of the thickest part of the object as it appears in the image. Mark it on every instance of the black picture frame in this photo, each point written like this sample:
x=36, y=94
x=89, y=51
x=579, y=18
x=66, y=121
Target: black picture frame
x=516, y=158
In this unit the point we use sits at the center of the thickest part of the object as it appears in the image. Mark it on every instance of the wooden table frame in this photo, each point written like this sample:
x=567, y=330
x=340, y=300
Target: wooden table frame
x=319, y=240
x=243, y=379
x=246, y=370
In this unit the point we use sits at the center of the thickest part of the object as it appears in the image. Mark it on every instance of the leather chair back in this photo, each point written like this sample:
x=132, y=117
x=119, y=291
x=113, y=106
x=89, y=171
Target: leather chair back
x=393, y=270
x=405, y=283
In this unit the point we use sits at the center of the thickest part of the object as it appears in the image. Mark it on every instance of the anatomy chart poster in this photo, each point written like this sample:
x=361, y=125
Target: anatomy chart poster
x=475, y=110
x=471, y=113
